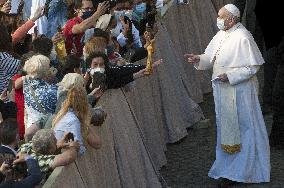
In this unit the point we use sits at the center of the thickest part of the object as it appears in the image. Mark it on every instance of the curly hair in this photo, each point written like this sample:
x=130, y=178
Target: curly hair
x=95, y=55
x=43, y=140
x=42, y=45
x=37, y=66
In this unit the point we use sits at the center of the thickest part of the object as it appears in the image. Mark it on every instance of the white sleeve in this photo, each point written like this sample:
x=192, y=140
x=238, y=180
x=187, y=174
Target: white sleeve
x=204, y=63
x=121, y=40
x=242, y=74
x=159, y=4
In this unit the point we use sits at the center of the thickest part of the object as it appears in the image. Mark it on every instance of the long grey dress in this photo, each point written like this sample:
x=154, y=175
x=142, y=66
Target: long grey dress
x=191, y=28
x=123, y=146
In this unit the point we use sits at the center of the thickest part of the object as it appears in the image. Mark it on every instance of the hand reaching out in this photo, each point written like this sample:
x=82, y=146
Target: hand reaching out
x=102, y=8
x=6, y=8
x=38, y=13
x=192, y=59
x=57, y=38
x=5, y=168
x=157, y=63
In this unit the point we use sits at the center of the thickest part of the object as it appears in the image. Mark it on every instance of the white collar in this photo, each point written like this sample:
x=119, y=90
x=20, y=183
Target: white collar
x=236, y=26
x=10, y=149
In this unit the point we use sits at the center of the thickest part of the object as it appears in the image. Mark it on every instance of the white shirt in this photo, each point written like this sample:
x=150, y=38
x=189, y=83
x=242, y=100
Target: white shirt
x=70, y=123
x=235, y=47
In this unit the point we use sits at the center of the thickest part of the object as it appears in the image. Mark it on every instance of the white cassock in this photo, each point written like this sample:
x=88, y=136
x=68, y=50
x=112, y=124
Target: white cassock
x=238, y=114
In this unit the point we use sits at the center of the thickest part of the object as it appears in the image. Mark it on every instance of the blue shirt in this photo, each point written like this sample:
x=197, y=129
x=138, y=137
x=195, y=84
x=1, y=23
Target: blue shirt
x=57, y=15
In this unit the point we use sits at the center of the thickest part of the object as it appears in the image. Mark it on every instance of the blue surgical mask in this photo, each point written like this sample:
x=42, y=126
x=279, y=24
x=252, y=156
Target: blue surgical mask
x=87, y=14
x=140, y=8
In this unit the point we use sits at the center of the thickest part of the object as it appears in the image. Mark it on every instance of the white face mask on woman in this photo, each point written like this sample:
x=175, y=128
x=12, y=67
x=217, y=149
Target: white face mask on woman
x=220, y=23
x=100, y=70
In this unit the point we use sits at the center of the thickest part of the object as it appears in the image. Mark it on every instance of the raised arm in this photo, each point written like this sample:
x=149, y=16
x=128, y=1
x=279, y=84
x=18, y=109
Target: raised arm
x=89, y=22
x=21, y=32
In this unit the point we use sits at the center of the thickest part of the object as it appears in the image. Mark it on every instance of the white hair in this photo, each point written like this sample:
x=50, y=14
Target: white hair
x=37, y=67
x=71, y=80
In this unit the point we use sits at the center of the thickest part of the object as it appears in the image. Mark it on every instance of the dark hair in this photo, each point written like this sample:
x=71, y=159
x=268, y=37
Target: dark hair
x=98, y=116
x=8, y=131
x=129, y=36
x=23, y=47
x=42, y=45
x=27, y=56
x=79, y=4
x=5, y=39
x=8, y=110
x=101, y=33
x=95, y=55
x=70, y=63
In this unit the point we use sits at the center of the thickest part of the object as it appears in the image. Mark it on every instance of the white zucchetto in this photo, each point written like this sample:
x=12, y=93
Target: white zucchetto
x=232, y=9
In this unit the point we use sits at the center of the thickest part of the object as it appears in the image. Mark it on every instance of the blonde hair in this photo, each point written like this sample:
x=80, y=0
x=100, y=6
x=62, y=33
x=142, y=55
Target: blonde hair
x=95, y=44
x=37, y=67
x=71, y=80
x=78, y=102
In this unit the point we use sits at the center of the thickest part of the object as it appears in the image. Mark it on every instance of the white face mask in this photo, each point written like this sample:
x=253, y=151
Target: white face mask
x=100, y=70
x=220, y=23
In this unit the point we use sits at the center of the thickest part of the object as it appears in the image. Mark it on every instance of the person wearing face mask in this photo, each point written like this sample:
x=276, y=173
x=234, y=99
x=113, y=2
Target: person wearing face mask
x=116, y=76
x=242, y=152
x=127, y=149
x=75, y=28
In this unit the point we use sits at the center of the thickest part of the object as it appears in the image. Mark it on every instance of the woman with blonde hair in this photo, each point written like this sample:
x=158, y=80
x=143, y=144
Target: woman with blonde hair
x=74, y=115
x=70, y=80
x=40, y=96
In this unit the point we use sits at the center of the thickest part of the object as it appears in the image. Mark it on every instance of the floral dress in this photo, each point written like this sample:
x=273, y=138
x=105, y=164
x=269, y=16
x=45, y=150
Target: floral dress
x=44, y=161
x=46, y=95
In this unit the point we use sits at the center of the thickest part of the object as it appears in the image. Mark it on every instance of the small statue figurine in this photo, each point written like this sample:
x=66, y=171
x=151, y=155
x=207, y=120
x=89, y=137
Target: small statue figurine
x=150, y=50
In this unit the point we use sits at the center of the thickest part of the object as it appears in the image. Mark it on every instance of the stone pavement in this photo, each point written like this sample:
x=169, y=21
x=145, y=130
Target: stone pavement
x=190, y=160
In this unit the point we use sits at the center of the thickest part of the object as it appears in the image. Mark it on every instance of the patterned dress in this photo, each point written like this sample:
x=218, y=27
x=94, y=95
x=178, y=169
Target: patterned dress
x=45, y=93
x=44, y=161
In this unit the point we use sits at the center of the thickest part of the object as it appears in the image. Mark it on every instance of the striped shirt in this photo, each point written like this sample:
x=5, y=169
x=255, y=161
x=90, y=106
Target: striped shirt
x=8, y=68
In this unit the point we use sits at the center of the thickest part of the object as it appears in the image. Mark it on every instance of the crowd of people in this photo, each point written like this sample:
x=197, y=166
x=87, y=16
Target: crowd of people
x=60, y=60
x=57, y=60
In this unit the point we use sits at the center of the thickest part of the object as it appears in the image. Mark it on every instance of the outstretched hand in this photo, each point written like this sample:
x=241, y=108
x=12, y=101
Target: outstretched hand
x=6, y=8
x=192, y=59
x=157, y=63
x=38, y=13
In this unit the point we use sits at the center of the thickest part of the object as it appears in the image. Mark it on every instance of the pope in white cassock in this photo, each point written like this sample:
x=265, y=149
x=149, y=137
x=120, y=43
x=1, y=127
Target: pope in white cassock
x=242, y=151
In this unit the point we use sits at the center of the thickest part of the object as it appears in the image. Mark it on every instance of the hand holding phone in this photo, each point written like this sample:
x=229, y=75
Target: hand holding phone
x=69, y=136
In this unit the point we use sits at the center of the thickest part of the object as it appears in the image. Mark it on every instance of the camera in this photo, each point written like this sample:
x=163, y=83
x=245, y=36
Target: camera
x=69, y=136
